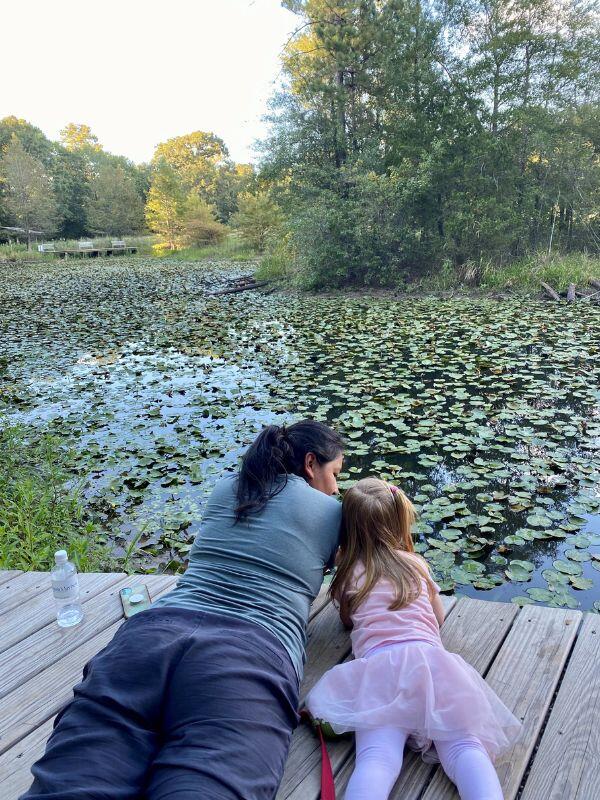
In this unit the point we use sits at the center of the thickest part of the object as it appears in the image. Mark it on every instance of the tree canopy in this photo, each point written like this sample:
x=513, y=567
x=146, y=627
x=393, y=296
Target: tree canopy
x=410, y=133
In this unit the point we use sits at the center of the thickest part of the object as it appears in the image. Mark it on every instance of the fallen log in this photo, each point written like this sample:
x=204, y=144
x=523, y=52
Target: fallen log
x=245, y=288
x=571, y=293
x=550, y=291
x=595, y=283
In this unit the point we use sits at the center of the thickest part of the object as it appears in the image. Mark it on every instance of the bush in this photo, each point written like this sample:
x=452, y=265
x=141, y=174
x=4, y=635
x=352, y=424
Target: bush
x=199, y=225
x=257, y=218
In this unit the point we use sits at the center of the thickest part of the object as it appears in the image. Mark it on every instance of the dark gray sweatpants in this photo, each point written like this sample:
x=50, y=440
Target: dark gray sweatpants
x=179, y=705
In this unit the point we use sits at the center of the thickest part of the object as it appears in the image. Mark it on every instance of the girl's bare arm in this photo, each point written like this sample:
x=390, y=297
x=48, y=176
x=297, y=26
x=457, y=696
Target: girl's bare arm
x=438, y=608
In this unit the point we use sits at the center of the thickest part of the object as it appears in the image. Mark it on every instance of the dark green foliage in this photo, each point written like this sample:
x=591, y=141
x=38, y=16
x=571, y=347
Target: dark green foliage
x=411, y=134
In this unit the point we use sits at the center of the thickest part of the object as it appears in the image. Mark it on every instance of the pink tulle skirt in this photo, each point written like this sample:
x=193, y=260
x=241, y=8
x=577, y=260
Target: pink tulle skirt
x=423, y=689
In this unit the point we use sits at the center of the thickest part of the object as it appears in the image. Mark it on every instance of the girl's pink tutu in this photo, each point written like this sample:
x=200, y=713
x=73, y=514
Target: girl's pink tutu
x=420, y=687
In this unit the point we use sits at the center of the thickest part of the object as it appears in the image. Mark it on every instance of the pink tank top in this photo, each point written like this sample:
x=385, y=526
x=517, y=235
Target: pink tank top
x=374, y=625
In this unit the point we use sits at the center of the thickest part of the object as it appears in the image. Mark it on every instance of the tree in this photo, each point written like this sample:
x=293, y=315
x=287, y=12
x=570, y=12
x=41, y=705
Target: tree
x=165, y=205
x=257, y=218
x=72, y=189
x=409, y=133
x=232, y=180
x=200, y=226
x=33, y=140
x=29, y=196
x=196, y=158
x=114, y=205
x=76, y=136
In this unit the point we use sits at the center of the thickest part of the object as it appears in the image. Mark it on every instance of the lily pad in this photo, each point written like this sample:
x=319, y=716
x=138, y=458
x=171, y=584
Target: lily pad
x=568, y=567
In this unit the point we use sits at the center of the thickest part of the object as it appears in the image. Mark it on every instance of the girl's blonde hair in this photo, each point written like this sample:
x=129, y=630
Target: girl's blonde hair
x=376, y=526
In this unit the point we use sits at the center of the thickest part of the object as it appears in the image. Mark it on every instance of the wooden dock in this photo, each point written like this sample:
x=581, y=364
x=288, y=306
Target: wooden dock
x=542, y=662
x=94, y=252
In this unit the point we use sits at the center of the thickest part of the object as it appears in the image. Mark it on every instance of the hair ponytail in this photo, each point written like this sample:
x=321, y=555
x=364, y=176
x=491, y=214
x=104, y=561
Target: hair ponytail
x=279, y=451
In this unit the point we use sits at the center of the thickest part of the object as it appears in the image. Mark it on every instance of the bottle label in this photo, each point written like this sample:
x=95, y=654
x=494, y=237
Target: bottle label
x=66, y=589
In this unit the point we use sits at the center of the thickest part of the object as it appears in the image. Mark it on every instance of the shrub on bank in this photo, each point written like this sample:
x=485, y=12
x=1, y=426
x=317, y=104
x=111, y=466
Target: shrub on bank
x=39, y=511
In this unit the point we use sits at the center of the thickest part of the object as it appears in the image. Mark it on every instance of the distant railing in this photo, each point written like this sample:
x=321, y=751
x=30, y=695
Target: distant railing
x=87, y=248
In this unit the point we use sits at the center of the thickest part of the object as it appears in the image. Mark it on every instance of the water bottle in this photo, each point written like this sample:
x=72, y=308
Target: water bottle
x=65, y=588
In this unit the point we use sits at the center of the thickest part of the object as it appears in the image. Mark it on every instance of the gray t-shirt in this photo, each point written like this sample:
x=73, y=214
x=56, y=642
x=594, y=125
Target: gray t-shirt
x=268, y=568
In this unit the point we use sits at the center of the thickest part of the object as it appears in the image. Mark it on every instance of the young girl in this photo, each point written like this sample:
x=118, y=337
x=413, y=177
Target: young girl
x=403, y=686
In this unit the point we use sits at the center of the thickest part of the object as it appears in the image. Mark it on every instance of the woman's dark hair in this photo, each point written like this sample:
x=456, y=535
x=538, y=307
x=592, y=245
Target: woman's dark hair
x=279, y=451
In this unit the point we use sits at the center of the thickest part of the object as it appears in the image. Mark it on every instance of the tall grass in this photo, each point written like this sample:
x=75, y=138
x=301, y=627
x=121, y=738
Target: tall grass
x=557, y=270
x=523, y=275
x=39, y=511
x=232, y=248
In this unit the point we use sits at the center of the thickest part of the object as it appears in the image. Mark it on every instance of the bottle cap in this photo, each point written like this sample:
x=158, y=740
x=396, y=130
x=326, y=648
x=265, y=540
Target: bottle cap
x=61, y=557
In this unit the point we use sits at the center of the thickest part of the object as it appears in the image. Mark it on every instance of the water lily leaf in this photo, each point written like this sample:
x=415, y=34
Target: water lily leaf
x=539, y=521
x=577, y=555
x=522, y=600
x=577, y=582
x=579, y=541
x=517, y=574
x=541, y=595
x=555, y=578
x=568, y=567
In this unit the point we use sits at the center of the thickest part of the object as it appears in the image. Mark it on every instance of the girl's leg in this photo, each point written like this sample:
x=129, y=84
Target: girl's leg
x=467, y=764
x=379, y=755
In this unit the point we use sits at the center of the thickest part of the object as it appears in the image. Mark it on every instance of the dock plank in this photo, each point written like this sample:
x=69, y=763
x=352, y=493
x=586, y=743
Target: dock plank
x=524, y=654
x=15, y=764
x=567, y=762
x=524, y=675
x=41, y=697
x=24, y=659
x=21, y=586
x=34, y=613
x=8, y=574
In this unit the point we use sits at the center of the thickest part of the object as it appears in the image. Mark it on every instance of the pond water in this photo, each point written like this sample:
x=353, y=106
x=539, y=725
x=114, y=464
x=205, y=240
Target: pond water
x=486, y=412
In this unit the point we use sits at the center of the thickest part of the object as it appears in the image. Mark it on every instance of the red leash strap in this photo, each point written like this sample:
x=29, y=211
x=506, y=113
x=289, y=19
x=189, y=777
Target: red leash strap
x=327, y=783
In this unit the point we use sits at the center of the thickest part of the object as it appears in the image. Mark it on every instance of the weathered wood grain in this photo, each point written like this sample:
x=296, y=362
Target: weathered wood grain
x=33, y=702
x=26, y=715
x=41, y=649
x=567, y=762
x=22, y=586
x=9, y=574
x=34, y=613
x=15, y=764
x=320, y=601
x=327, y=644
x=524, y=676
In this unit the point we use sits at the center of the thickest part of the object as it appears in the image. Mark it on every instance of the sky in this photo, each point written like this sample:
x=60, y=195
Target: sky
x=139, y=72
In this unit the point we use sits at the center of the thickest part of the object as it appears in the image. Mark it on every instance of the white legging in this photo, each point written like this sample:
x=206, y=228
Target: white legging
x=379, y=756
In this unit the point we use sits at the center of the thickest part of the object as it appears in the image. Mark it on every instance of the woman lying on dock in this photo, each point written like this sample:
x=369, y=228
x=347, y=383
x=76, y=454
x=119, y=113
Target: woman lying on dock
x=197, y=697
